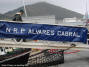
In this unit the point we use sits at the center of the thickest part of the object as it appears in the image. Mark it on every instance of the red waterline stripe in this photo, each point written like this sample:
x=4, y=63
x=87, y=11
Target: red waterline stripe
x=54, y=51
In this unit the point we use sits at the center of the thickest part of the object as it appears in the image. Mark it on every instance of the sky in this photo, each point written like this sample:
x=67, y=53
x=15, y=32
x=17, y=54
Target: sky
x=74, y=5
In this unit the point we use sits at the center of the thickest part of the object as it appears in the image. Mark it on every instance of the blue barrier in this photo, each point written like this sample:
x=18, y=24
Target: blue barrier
x=42, y=32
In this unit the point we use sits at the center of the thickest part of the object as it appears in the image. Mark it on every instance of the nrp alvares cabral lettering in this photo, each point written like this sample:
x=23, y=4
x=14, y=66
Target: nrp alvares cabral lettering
x=42, y=32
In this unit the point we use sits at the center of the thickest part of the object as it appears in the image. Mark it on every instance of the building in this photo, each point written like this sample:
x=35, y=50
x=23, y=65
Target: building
x=52, y=20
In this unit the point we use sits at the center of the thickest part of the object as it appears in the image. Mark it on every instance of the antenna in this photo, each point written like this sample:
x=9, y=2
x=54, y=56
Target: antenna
x=25, y=8
x=86, y=14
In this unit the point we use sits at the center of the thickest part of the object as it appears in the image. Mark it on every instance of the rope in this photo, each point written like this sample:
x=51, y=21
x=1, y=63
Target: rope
x=56, y=51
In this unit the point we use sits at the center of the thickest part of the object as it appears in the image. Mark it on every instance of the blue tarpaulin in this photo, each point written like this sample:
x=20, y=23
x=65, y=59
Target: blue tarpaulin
x=42, y=32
